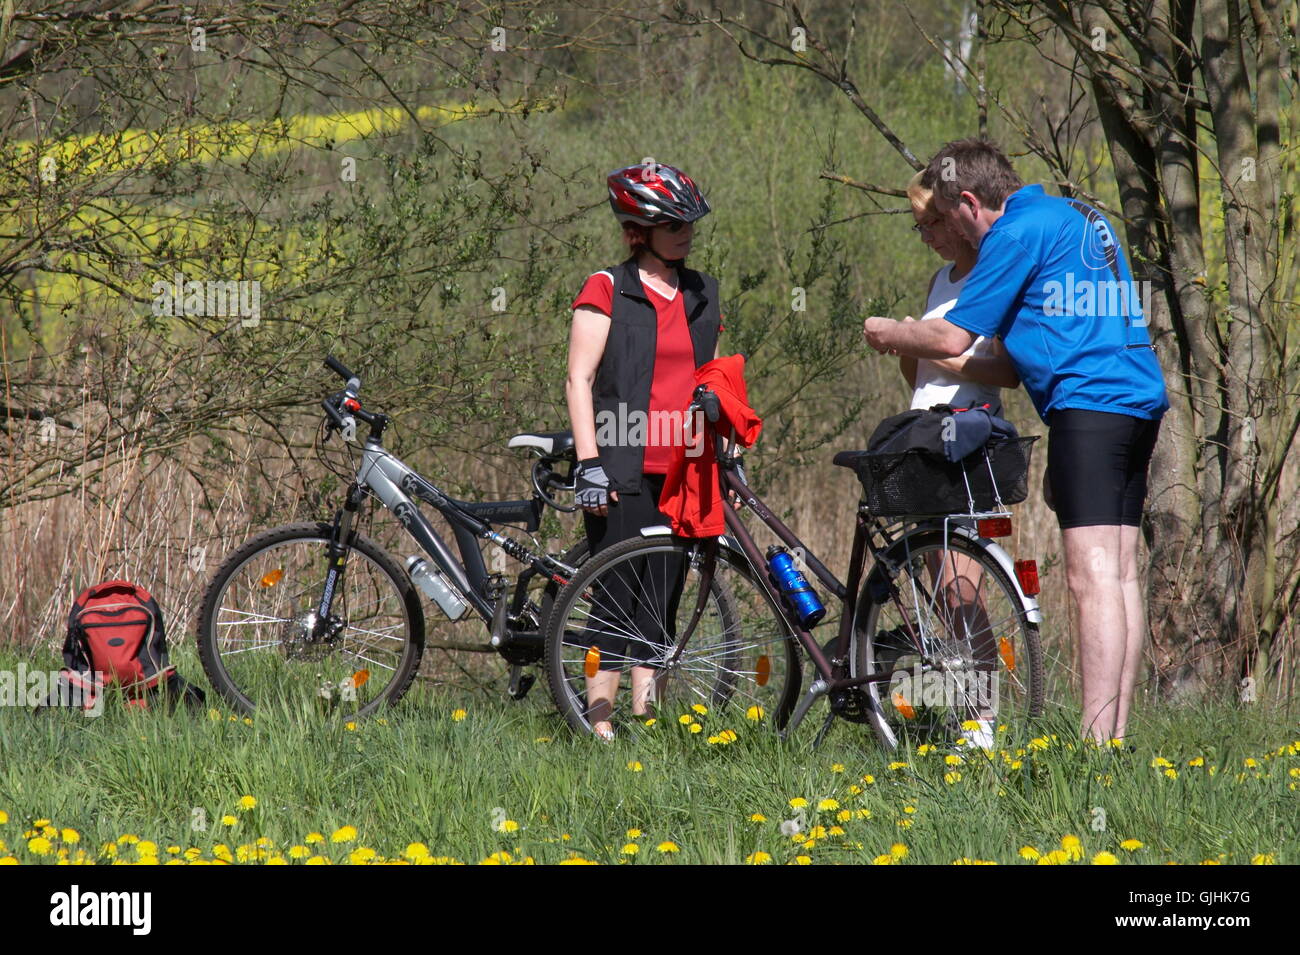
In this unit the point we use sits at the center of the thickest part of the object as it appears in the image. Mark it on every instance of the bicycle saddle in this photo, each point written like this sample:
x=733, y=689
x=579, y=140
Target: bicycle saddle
x=547, y=442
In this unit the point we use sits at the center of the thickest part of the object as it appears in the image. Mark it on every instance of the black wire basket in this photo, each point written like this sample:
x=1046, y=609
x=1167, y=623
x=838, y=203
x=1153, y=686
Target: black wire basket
x=920, y=483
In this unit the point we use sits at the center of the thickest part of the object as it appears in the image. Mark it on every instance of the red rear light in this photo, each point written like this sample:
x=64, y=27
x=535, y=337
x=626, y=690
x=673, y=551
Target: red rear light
x=352, y=404
x=1027, y=574
x=994, y=527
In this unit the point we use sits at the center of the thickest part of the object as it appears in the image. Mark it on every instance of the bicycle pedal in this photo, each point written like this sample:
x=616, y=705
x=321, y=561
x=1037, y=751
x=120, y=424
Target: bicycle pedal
x=520, y=683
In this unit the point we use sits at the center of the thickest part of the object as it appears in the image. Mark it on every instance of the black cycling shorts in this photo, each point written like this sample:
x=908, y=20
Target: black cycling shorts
x=1097, y=465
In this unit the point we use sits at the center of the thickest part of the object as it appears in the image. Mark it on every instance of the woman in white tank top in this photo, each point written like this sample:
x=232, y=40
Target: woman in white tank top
x=977, y=376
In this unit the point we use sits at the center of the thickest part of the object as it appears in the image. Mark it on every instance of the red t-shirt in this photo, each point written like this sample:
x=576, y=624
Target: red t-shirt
x=674, y=370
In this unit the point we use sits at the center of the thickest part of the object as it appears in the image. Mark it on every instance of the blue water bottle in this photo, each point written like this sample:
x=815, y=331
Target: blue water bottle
x=807, y=605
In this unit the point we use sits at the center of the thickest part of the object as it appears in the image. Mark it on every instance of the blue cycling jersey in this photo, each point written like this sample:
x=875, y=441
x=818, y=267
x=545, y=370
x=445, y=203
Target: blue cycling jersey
x=1053, y=282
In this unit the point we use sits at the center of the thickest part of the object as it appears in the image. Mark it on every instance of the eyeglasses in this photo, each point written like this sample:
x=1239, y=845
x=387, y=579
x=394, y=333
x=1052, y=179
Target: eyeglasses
x=928, y=226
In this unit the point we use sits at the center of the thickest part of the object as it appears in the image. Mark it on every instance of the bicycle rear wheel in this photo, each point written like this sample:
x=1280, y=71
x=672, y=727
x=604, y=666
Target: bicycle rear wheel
x=257, y=636
x=950, y=624
x=626, y=607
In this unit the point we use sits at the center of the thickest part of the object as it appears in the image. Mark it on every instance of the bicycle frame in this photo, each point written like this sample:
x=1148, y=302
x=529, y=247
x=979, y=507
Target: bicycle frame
x=847, y=593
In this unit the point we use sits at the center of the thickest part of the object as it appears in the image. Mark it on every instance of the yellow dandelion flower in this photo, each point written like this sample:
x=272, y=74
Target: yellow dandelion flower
x=1072, y=846
x=631, y=849
x=1171, y=773
x=700, y=708
x=635, y=765
x=757, y=817
x=1250, y=762
x=798, y=802
x=667, y=846
x=863, y=813
x=1055, y=857
x=49, y=832
x=695, y=728
x=904, y=823
x=754, y=714
x=855, y=790
x=128, y=837
x=803, y=860
x=728, y=736
x=458, y=714
x=344, y=834
x=1104, y=858
x=897, y=765
x=40, y=823
x=8, y=860
x=416, y=850
x=4, y=817
x=952, y=778
x=247, y=802
x=507, y=825
x=314, y=837
x=1196, y=761
x=361, y=855
x=686, y=719
x=952, y=759
x=837, y=767
x=925, y=748
x=39, y=845
x=883, y=860
x=818, y=832
x=1029, y=852
x=758, y=858
x=228, y=820
x=1160, y=763
x=634, y=833
x=1264, y=858
x=578, y=860
x=836, y=830
x=1039, y=742
x=909, y=809
x=869, y=779
x=844, y=815
x=898, y=850
x=71, y=836
x=650, y=722
x=827, y=805
x=1016, y=764
x=350, y=725
x=299, y=852
x=1131, y=845
x=319, y=860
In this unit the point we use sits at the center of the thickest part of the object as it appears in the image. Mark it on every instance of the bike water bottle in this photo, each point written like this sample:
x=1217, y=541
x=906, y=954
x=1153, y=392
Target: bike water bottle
x=434, y=586
x=807, y=605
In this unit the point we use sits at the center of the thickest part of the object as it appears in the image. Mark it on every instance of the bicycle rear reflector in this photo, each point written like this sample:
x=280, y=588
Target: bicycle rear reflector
x=272, y=577
x=360, y=677
x=1027, y=574
x=591, y=663
x=994, y=527
x=1008, y=654
x=763, y=671
x=904, y=708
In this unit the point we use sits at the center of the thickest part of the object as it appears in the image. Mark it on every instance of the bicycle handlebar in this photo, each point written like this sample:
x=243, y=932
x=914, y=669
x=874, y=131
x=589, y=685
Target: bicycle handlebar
x=342, y=370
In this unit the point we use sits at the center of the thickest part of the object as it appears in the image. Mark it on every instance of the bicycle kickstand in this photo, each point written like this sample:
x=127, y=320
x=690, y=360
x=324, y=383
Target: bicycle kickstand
x=826, y=728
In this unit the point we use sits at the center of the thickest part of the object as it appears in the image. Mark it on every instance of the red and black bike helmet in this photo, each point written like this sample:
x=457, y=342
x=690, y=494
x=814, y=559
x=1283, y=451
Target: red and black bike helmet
x=651, y=194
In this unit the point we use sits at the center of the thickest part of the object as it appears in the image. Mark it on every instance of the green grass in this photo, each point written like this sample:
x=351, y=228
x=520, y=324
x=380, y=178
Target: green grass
x=420, y=776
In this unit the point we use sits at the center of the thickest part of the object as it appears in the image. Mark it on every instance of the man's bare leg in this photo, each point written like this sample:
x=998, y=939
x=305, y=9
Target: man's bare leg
x=601, y=690
x=1135, y=620
x=1092, y=567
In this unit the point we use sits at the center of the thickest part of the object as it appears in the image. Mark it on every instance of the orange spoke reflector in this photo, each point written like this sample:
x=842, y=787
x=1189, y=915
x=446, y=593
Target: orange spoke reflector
x=1027, y=574
x=763, y=672
x=903, y=707
x=360, y=677
x=591, y=663
x=272, y=577
x=1007, y=652
x=994, y=527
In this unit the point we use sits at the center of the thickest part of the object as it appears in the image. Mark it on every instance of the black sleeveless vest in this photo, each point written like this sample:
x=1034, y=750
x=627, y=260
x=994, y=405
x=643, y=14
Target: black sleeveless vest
x=626, y=368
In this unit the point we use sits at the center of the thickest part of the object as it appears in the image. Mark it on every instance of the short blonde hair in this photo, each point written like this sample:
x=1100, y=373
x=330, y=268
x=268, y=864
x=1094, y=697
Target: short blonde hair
x=922, y=199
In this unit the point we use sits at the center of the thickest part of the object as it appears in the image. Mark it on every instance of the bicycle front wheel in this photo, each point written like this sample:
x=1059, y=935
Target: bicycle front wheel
x=626, y=608
x=947, y=621
x=263, y=647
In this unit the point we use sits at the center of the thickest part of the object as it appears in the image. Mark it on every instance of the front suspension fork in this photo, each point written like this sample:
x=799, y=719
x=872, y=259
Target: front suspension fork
x=339, y=547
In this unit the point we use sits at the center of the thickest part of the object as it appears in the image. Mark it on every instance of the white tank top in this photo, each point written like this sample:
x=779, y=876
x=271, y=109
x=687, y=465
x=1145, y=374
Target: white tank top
x=934, y=385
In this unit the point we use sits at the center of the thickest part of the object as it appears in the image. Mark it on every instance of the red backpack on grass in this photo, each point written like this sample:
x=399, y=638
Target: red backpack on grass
x=116, y=636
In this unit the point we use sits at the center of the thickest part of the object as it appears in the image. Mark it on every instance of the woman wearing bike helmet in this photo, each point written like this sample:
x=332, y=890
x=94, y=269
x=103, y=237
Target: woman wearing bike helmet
x=640, y=329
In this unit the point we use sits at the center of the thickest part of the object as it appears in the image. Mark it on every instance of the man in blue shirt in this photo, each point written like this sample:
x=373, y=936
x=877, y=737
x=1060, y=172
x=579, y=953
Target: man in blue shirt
x=1052, y=281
